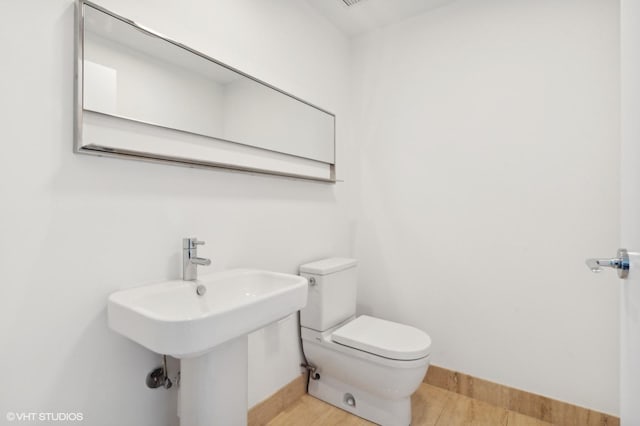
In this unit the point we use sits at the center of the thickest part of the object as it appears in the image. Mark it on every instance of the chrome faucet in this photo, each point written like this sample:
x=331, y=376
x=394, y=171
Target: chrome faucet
x=190, y=259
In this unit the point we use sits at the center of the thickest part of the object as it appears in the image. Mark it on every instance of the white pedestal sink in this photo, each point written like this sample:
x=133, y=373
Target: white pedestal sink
x=208, y=333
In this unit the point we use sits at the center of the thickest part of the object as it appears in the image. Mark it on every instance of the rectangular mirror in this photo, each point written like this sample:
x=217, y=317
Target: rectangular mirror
x=132, y=74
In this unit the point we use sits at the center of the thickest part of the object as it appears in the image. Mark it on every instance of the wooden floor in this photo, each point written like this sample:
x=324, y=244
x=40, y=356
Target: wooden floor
x=431, y=406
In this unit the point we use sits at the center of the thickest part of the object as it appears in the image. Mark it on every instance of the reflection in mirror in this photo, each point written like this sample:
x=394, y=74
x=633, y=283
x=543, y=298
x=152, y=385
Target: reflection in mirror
x=133, y=74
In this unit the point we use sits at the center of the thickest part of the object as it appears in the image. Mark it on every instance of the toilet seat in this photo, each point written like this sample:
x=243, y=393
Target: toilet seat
x=383, y=338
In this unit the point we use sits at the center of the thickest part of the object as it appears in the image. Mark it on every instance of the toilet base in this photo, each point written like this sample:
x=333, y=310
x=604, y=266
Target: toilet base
x=370, y=407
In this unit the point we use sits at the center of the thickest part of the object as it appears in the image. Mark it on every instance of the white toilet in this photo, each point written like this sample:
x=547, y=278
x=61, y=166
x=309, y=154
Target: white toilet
x=366, y=366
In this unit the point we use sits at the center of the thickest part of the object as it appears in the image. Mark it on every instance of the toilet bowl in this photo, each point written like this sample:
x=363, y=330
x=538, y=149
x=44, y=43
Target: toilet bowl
x=364, y=365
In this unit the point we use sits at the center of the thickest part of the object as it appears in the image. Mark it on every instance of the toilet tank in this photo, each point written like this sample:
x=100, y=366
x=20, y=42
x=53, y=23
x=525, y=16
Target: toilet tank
x=332, y=292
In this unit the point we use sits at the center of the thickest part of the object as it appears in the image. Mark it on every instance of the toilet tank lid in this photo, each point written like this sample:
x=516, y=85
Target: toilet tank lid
x=328, y=266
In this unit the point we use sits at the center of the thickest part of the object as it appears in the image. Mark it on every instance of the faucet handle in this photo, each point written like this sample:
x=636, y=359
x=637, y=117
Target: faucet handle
x=191, y=243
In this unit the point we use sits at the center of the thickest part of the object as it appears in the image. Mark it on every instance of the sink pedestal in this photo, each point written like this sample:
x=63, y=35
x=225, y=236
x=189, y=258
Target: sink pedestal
x=213, y=386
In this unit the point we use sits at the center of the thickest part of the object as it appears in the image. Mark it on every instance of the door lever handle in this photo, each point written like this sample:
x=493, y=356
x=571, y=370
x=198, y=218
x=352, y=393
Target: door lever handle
x=620, y=262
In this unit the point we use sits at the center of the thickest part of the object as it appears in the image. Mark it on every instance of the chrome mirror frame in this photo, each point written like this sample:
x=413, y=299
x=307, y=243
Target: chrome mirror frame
x=92, y=149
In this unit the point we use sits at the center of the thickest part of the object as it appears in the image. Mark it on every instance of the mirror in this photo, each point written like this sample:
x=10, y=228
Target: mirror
x=134, y=74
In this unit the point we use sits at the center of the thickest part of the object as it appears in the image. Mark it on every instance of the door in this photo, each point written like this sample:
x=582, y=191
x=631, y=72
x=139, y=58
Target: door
x=630, y=214
x=630, y=208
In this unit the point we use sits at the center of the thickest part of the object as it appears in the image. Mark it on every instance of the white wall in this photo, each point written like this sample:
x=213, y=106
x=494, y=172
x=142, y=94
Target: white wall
x=75, y=228
x=490, y=156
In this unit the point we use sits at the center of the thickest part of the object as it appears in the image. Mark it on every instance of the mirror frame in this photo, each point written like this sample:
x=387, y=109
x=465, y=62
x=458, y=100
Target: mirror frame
x=94, y=149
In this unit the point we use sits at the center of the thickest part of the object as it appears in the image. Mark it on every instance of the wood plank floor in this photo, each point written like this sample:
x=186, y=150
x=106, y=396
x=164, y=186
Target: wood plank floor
x=432, y=406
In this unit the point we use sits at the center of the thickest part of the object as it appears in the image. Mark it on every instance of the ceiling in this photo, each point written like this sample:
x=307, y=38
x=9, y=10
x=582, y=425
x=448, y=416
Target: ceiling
x=367, y=15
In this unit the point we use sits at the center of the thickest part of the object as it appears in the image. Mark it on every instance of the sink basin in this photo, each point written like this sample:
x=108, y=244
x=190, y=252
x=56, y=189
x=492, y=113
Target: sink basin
x=170, y=318
x=208, y=333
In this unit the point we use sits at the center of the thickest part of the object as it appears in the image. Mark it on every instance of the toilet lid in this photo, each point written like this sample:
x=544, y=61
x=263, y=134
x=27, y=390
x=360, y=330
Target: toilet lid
x=384, y=338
